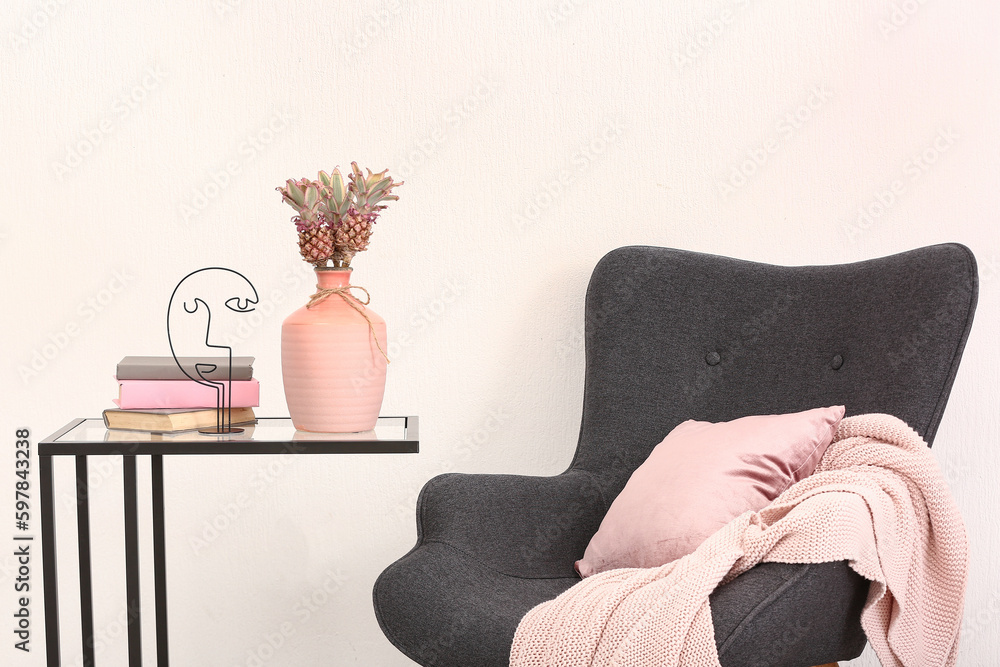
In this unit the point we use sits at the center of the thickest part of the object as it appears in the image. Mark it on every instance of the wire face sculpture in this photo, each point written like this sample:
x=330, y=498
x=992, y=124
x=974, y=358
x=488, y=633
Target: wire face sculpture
x=198, y=309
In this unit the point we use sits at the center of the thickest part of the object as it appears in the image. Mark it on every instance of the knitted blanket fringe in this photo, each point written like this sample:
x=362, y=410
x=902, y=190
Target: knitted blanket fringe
x=877, y=499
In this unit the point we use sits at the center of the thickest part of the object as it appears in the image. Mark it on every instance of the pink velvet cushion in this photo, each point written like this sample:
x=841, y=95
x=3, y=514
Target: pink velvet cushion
x=701, y=477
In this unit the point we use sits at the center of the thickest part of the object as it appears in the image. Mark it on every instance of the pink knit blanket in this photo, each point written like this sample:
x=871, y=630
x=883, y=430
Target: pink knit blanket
x=878, y=500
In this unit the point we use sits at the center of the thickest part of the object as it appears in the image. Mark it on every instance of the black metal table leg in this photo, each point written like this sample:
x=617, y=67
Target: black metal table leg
x=133, y=608
x=83, y=544
x=49, y=570
x=159, y=561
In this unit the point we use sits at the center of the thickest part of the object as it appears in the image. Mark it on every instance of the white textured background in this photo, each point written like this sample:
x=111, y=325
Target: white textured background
x=143, y=140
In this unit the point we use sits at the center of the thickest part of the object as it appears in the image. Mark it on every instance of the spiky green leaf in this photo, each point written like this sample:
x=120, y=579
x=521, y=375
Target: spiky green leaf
x=337, y=186
x=381, y=185
x=294, y=193
x=311, y=196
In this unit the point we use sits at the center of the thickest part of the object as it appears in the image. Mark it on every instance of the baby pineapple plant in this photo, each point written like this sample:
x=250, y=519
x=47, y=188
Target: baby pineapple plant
x=334, y=220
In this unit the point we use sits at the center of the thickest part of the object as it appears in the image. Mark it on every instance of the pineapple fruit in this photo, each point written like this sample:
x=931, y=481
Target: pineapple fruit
x=316, y=244
x=335, y=222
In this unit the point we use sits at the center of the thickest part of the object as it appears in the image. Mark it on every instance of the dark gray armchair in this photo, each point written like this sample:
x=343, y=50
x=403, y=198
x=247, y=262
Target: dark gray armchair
x=674, y=335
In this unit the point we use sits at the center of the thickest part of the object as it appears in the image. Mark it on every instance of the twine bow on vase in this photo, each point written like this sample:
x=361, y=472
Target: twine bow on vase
x=344, y=292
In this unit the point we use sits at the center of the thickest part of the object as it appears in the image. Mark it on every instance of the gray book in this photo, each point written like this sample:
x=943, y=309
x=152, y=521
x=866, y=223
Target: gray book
x=165, y=368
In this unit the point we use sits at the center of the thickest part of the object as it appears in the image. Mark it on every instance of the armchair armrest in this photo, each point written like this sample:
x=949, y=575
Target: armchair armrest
x=521, y=526
x=790, y=614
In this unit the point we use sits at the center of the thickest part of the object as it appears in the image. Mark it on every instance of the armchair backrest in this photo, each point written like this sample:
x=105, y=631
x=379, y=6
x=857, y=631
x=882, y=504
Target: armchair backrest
x=673, y=335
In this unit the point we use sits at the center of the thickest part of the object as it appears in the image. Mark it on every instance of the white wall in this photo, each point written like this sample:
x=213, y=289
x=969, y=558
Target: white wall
x=533, y=138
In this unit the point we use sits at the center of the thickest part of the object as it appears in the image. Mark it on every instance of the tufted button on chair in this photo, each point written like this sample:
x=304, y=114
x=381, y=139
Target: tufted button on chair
x=673, y=335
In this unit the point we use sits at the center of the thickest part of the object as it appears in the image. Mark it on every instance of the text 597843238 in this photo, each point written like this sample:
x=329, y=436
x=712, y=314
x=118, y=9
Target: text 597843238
x=22, y=542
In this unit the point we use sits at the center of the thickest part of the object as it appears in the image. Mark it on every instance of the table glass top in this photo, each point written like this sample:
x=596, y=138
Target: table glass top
x=266, y=435
x=275, y=429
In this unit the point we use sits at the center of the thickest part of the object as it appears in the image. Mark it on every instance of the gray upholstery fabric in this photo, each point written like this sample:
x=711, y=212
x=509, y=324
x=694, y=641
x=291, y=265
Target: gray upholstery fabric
x=790, y=615
x=674, y=335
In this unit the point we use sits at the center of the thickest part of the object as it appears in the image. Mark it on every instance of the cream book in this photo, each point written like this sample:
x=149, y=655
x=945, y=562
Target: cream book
x=169, y=420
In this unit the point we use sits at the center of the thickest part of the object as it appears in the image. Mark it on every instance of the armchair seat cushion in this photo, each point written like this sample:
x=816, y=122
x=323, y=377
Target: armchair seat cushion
x=413, y=605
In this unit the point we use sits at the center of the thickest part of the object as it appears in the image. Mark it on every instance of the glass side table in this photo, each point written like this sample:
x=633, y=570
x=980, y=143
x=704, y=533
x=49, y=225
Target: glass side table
x=88, y=437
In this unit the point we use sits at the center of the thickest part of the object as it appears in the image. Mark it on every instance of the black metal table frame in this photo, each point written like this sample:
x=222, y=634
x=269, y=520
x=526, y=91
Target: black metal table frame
x=50, y=447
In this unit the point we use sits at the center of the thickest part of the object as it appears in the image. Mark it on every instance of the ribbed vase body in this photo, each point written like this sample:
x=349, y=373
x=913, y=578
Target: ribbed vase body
x=331, y=366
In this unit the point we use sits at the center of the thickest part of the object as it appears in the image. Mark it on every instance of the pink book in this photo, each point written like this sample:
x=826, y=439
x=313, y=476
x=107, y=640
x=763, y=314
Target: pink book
x=141, y=394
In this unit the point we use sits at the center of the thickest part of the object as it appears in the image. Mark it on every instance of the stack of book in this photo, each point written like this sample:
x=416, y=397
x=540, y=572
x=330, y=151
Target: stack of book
x=155, y=394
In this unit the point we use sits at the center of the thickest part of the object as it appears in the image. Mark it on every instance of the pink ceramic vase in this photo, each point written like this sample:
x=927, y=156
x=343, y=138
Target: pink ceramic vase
x=333, y=371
